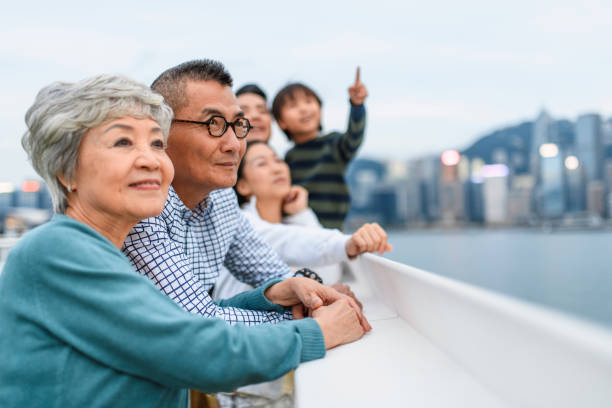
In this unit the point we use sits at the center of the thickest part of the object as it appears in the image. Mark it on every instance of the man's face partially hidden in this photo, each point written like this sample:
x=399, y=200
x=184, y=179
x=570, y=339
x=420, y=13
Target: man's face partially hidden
x=256, y=111
x=202, y=162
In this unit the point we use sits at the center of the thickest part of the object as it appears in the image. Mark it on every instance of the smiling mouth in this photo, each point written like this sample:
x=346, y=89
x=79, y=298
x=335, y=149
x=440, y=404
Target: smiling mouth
x=307, y=119
x=146, y=185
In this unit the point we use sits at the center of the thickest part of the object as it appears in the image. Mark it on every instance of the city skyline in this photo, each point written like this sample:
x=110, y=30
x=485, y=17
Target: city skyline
x=439, y=76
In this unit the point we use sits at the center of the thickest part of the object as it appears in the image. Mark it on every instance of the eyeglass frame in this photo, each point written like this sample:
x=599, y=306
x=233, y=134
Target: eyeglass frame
x=227, y=124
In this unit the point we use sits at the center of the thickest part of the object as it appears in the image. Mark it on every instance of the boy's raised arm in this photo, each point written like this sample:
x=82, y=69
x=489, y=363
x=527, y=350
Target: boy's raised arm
x=357, y=92
x=350, y=141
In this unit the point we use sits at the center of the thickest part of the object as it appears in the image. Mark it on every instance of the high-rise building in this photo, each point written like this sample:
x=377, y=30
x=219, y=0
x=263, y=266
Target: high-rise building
x=589, y=145
x=550, y=201
x=362, y=176
x=519, y=199
x=450, y=188
x=430, y=176
x=608, y=185
x=596, y=197
x=541, y=135
x=495, y=193
x=606, y=131
x=576, y=187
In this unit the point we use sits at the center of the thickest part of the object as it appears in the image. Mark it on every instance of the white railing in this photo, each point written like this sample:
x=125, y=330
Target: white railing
x=437, y=342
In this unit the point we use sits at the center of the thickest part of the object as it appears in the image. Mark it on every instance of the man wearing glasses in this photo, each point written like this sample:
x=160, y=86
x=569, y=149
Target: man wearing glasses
x=201, y=227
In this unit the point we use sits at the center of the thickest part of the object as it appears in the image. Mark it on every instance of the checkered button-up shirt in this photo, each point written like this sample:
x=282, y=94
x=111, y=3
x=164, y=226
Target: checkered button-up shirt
x=181, y=251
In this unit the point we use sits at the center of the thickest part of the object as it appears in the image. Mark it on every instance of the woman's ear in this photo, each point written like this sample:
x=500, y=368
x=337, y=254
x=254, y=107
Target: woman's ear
x=243, y=188
x=70, y=187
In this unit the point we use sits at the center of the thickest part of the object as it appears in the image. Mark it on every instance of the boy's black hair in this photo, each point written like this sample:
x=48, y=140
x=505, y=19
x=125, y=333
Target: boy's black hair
x=242, y=199
x=252, y=88
x=288, y=92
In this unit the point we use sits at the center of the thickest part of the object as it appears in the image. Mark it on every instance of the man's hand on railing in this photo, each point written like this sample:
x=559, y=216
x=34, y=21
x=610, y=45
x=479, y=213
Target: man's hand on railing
x=339, y=323
x=346, y=290
x=306, y=295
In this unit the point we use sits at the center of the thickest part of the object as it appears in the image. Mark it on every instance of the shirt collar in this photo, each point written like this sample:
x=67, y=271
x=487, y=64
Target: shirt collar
x=185, y=213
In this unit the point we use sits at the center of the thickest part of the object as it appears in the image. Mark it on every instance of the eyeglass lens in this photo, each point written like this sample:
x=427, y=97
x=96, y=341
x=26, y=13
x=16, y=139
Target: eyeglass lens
x=218, y=124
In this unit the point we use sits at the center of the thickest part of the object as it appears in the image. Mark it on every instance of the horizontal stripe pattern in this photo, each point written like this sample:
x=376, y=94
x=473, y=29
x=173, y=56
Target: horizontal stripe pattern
x=319, y=166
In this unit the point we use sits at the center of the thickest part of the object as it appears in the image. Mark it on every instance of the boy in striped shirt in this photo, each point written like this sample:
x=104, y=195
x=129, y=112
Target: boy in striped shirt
x=319, y=162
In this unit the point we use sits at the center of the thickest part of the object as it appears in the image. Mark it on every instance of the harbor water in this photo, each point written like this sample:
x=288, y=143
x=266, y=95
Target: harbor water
x=566, y=271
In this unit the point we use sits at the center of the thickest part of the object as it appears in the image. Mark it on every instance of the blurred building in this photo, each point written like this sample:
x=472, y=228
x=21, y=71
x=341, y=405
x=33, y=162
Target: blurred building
x=608, y=185
x=589, y=145
x=548, y=169
x=362, y=176
x=25, y=207
x=596, y=198
x=576, y=186
x=550, y=200
x=520, y=199
x=451, y=191
x=541, y=134
x=495, y=193
x=430, y=176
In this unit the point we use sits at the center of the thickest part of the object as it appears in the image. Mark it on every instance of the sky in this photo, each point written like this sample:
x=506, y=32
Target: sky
x=439, y=73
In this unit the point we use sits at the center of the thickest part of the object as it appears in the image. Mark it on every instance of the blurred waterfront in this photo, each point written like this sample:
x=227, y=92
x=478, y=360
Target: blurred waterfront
x=567, y=271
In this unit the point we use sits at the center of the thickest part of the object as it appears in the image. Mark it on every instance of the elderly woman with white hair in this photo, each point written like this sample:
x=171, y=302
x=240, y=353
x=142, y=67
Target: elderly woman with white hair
x=79, y=326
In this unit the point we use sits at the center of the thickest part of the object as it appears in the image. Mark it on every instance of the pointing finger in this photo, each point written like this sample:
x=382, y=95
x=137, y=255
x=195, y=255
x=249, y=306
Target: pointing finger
x=357, y=76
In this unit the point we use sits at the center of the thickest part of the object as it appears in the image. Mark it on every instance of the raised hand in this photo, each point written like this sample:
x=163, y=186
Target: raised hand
x=296, y=201
x=358, y=92
x=368, y=238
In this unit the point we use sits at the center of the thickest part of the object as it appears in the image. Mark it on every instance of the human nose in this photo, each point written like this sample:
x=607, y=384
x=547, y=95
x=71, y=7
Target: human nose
x=254, y=115
x=229, y=140
x=278, y=167
x=147, y=159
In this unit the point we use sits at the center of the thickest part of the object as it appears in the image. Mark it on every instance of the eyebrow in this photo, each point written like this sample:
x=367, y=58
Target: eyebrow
x=118, y=126
x=215, y=111
x=129, y=128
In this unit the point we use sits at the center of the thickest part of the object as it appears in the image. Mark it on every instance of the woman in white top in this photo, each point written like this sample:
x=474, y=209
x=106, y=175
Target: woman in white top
x=280, y=213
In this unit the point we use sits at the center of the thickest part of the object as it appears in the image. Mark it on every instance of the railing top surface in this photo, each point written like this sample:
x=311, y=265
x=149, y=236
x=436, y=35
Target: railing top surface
x=433, y=335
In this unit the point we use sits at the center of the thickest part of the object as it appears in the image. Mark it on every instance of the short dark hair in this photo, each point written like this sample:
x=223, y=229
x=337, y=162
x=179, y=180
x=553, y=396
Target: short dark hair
x=242, y=199
x=253, y=89
x=173, y=81
x=288, y=92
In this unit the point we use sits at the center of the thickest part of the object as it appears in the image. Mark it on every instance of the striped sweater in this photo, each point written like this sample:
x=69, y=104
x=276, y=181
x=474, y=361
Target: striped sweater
x=319, y=166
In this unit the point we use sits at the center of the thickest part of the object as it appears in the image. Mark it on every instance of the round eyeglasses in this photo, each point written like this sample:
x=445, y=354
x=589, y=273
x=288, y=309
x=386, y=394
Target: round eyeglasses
x=217, y=125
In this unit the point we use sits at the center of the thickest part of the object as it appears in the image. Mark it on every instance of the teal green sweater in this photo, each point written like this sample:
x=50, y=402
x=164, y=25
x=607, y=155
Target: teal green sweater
x=320, y=164
x=80, y=328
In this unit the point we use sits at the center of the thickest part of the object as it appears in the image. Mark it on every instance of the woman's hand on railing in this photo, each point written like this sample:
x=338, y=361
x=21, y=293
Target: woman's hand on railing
x=339, y=323
x=368, y=238
x=306, y=295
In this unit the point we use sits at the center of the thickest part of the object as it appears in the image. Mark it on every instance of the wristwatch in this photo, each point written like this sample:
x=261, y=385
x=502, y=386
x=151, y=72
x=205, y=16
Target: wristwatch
x=308, y=273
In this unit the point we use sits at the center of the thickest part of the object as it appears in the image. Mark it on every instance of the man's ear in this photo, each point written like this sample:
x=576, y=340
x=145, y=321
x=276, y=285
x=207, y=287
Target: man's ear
x=242, y=187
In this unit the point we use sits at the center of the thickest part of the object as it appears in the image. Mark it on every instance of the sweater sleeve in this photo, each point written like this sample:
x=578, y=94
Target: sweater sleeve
x=87, y=295
x=347, y=145
x=254, y=299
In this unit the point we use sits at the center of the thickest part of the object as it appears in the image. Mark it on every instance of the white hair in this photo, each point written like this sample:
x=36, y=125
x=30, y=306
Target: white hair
x=63, y=112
